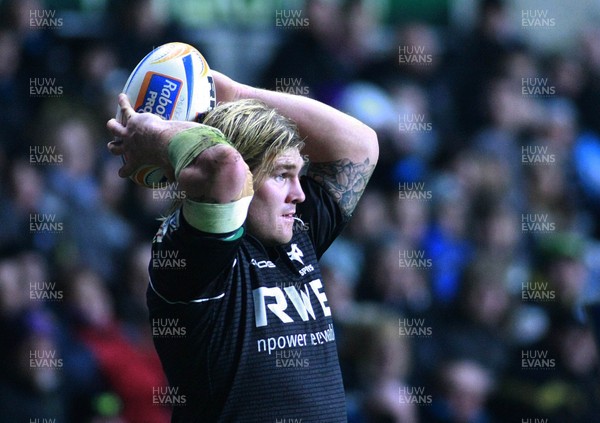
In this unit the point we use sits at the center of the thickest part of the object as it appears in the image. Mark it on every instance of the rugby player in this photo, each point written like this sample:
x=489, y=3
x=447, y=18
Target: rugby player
x=266, y=193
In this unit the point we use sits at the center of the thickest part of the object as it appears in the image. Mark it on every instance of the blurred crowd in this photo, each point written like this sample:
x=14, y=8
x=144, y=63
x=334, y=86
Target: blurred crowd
x=460, y=284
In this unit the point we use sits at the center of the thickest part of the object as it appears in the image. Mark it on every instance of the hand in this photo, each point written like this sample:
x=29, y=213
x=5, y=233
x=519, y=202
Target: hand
x=137, y=137
x=227, y=89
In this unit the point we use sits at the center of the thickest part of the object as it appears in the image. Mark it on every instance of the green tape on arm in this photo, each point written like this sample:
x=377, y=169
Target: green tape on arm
x=190, y=143
x=216, y=218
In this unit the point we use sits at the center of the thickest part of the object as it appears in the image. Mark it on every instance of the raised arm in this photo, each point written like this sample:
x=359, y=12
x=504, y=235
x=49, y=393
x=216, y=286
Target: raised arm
x=214, y=174
x=342, y=150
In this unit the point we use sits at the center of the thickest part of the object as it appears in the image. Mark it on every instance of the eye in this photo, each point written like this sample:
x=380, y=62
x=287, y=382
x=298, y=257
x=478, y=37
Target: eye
x=281, y=177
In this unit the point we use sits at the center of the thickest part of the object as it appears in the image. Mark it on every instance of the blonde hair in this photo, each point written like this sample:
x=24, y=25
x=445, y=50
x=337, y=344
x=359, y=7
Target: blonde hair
x=257, y=132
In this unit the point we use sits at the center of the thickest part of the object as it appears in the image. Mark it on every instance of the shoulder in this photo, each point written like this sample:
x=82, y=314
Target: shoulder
x=320, y=218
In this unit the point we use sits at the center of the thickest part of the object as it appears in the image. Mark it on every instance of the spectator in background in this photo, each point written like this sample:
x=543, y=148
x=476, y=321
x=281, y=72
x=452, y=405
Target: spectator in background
x=97, y=68
x=371, y=104
x=403, y=288
x=587, y=147
x=447, y=244
x=379, y=363
x=411, y=218
x=463, y=388
x=33, y=391
x=129, y=370
x=77, y=184
x=45, y=372
x=313, y=54
x=130, y=301
x=475, y=327
x=555, y=377
x=29, y=196
x=586, y=163
x=136, y=27
x=560, y=264
x=479, y=57
x=414, y=72
x=588, y=99
x=37, y=46
x=496, y=232
x=15, y=107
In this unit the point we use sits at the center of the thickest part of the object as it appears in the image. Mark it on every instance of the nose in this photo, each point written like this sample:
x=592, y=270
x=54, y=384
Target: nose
x=295, y=194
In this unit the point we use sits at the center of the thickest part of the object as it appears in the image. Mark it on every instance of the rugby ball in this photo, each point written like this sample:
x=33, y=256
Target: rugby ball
x=174, y=82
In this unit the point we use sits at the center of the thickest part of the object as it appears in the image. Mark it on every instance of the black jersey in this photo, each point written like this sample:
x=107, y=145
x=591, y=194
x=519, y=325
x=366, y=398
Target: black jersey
x=244, y=332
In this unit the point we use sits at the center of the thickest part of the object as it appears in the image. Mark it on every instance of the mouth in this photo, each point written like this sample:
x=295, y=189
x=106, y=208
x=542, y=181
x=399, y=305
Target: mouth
x=289, y=216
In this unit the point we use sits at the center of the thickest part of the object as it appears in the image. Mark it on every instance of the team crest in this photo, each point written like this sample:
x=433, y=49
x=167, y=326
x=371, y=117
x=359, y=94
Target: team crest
x=296, y=254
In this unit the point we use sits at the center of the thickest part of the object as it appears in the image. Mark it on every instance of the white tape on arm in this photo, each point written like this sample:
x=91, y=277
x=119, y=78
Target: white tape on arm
x=216, y=218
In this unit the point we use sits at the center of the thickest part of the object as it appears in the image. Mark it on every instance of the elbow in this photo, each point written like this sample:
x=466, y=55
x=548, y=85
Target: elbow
x=371, y=145
x=217, y=176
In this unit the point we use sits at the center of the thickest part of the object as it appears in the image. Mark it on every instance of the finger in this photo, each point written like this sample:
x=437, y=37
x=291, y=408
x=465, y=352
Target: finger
x=116, y=147
x=125, y=104
x=116, y=128
x=125, y=111
x=127, y=169
x=124, y=101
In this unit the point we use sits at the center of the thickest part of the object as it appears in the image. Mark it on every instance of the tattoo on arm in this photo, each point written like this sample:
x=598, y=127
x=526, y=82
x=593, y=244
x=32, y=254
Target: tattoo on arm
x=343, y=179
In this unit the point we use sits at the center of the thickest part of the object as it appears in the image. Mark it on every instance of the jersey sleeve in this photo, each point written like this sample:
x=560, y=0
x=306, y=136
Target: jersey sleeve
x=187, y=264
x=323, y=218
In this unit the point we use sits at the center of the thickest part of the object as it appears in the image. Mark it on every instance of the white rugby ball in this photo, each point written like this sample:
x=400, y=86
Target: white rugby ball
x=174, y=82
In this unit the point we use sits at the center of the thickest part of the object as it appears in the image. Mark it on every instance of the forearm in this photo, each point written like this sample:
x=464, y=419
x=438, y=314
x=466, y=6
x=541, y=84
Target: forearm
x=162, y=136
x=206, y=167
x=342, y=150
x=218, y=175
x=329, y=134
x=214, y=173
